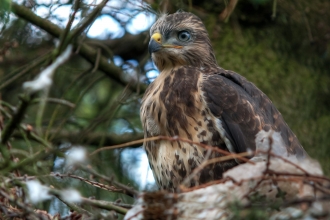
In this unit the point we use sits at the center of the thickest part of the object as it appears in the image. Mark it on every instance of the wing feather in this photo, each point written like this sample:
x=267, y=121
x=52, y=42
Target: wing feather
x=245, y=111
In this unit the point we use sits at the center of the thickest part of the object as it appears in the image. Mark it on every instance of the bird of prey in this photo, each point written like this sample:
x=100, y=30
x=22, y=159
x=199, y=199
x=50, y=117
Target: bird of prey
x=195, y=99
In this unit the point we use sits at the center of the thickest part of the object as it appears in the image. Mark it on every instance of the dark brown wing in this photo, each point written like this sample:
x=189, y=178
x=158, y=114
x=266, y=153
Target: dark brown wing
x=245, y=111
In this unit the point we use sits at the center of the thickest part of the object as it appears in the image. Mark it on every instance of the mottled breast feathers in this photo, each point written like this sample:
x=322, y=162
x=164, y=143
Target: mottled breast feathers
x=195, y=99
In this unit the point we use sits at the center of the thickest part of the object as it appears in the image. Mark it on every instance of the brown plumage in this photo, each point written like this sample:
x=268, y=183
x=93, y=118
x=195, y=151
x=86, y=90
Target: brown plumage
x=195, y=99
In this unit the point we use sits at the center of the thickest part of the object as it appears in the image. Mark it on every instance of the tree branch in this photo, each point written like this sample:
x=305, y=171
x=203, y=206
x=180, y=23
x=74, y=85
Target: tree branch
x=15, y=121
x=104, y=205
x=127, y=47
x=91, y=138
x=86, y=51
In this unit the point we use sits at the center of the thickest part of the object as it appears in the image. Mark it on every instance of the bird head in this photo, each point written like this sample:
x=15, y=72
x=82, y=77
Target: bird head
x=180, y=39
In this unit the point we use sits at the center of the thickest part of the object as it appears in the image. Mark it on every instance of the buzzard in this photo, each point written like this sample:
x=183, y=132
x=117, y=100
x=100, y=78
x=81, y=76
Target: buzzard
x=195, y=99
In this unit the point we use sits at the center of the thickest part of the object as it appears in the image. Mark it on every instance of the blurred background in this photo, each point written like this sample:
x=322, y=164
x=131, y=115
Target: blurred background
x=281, y=46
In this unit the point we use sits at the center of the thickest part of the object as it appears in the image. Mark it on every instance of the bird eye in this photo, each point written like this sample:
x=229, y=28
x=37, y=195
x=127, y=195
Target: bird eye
x=184, y=36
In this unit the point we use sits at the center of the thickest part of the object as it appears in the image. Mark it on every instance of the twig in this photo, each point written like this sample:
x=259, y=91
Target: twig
x=55, y=100
x=212, y=161
x=9, y=129
x=63, y=41
x=87, y=21
x=118, y=146
x=293, y=164
x=20, y=205
x=124, y=205
x=13, y=166
x=225, y=158
x=30, y=134
x=26, y=69
x=105, y=205
x=127, y=190
x=274, y=9
x=6, y=104
x=172, y=139
x=269, y=150
x=92, y=138
x=16, y=119
x=51, y=191
x=90, y=182
x=310, y=177
x=225, y=14
x=72, y=206
x=6, y=113
x=97, y=61
x=215, y=182
x=56, y=192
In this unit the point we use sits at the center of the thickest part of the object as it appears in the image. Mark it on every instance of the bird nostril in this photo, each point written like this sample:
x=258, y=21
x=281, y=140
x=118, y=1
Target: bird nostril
x=157, y=37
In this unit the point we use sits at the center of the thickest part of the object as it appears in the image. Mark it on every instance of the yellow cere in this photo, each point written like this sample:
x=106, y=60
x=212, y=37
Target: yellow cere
x=157, y=37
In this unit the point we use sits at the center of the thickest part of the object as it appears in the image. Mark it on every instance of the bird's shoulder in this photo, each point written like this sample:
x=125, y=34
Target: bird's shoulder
x=228, y=90
x=220, y=77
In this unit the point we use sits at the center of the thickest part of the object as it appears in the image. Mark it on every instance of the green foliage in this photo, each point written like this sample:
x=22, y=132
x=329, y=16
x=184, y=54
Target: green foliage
x=239, y=213
x=4, y=10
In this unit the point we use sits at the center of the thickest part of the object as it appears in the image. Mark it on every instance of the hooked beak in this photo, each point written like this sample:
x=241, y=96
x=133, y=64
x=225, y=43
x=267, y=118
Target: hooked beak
x=155, y=44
